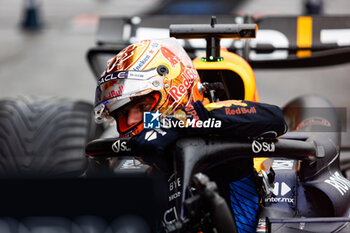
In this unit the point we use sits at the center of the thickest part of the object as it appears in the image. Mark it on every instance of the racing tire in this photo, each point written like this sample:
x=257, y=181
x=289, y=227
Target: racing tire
x=44, y=136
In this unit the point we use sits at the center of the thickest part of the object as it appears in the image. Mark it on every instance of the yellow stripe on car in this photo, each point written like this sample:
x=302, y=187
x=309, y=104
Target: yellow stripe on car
x=304, y=35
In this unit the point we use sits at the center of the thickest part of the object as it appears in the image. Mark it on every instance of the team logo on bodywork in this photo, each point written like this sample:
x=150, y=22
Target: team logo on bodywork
x=339, y=182
x=120, y=146
x=280, y=191
x=258, y=146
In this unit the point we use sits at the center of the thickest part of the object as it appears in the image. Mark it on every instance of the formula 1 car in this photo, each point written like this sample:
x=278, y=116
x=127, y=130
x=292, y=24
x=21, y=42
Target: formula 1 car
x=309, y=194
x=281, y=42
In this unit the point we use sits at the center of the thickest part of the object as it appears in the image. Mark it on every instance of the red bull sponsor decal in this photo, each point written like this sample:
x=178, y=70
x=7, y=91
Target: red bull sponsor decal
x=109, y=85
x=115, y=93
x=188, y=77
x=240, y=110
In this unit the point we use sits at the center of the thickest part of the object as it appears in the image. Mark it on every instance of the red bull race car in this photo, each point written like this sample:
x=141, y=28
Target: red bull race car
x=110, y=190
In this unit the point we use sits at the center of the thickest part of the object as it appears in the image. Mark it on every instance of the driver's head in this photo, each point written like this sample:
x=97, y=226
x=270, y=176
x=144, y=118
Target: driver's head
x=152, y=75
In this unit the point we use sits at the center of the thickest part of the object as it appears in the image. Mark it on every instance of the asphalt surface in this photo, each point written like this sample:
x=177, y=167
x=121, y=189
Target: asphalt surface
x=52, y=61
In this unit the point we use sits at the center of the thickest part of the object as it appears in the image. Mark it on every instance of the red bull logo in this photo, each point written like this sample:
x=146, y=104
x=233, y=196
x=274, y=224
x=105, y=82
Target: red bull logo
x=115, y=93
x=188, y=77
x=240, y=110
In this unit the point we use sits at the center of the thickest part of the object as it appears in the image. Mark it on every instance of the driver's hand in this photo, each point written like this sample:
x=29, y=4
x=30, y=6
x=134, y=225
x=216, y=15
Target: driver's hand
x=150, y=144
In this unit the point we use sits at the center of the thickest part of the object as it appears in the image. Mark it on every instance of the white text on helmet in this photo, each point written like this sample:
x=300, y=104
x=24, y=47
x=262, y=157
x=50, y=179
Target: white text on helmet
x=113, y=76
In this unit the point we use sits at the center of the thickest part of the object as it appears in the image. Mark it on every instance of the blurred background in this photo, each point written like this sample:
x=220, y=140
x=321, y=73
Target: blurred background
x=52, y=59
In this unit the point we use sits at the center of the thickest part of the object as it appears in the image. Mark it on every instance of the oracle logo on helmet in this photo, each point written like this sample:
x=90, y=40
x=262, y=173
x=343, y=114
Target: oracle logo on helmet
x=113, y=76
x=188, y=77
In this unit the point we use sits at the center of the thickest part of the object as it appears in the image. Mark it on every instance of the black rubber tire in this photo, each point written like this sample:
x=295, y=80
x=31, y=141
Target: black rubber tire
x=44, y=136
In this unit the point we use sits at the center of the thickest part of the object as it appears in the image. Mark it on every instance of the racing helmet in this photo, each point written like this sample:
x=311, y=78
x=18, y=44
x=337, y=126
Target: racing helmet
x=160, y=69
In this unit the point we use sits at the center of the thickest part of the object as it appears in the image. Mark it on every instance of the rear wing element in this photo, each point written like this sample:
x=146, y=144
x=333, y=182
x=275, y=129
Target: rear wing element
x=281, y=41
x=213, y=33
x=301, y=41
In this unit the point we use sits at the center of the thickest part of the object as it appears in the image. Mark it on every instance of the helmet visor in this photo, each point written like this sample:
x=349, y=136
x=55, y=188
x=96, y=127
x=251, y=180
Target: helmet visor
x=123, y=84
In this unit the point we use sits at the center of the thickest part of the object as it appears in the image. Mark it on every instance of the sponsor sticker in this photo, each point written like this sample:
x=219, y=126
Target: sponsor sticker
x=258, y=146
x=173, y=187
x=279, y=199
x=281, y=164
x=132, y=74
x=175, y=184
x=240, y=110
x=188, y=77
x=115, y=93
x=339, y=182
x=170, y=216
x=143, y=62
x=131, y=164
x=120, y=146
x=153, y=134
x=113, y=76
x=147, y=57
x=282, y=191
x=279, y=191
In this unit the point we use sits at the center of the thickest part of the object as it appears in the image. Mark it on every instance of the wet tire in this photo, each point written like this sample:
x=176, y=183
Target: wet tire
x=44, y=136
